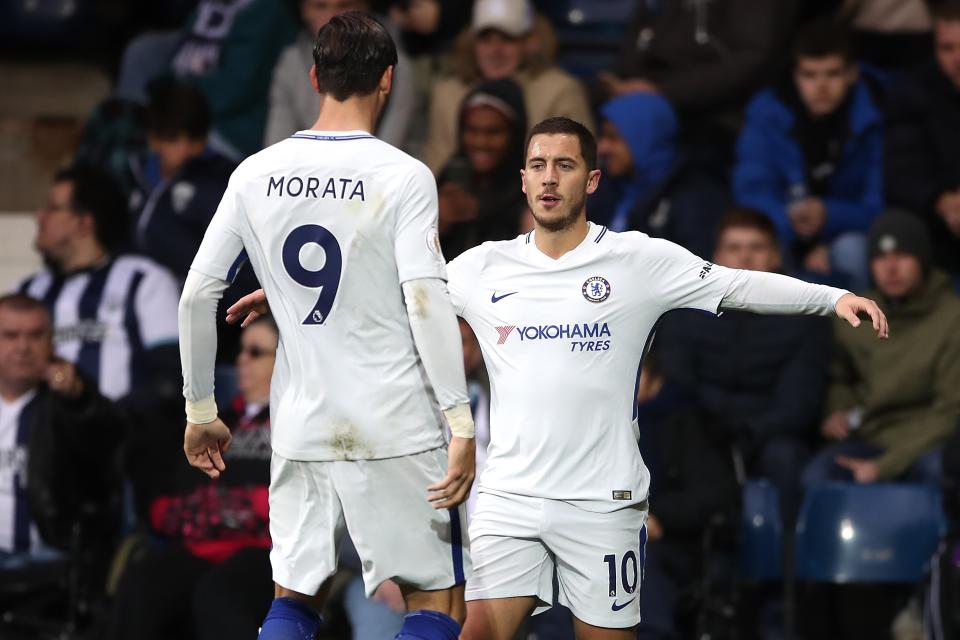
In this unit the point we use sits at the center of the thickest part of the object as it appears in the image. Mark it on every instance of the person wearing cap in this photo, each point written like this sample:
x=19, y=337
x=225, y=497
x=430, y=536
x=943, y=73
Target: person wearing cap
x=891, y=406
x=506, y=39
x=478, y=200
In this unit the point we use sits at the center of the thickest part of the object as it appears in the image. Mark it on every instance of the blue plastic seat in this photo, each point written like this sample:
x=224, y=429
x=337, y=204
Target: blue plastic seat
x=868, y=533
x=761, y=532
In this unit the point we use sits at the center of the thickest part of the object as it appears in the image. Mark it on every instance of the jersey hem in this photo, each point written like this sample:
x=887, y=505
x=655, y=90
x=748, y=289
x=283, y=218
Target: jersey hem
x=316, y=455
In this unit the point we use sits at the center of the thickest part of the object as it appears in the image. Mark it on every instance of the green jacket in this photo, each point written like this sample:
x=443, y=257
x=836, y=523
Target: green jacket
x=907, y=386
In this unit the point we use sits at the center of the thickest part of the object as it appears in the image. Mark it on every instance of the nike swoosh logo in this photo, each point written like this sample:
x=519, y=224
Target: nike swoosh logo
x=617, y=607
x=495, y=298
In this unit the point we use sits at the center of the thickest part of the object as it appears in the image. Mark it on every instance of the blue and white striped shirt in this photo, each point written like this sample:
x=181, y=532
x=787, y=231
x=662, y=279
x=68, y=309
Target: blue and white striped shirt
x=17, y=533
x=106, y=317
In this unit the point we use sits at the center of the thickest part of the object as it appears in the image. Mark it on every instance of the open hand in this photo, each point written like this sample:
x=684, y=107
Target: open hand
x=850, y=305
x=248, y=308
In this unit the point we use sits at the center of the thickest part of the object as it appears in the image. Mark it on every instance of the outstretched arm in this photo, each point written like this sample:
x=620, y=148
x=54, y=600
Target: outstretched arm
x=772, y=293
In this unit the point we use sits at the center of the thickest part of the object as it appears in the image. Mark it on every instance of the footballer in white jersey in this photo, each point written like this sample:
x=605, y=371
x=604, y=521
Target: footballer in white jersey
x=340, y=229
x=564, y=316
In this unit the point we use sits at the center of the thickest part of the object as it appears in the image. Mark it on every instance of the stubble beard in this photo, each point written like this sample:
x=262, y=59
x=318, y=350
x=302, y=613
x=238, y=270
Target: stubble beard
x=565, y=221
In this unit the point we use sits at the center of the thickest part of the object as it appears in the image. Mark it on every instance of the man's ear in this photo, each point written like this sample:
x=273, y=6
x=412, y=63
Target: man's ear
x=386, y=80
x=593, y=181
x=853, y=72
x=523, y=185
x=313, y=78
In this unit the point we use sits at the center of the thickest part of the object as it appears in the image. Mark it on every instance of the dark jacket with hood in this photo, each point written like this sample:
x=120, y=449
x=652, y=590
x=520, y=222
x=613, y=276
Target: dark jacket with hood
x=909, y=386
x=667, y=196
x=772, y=167
x=501, y=201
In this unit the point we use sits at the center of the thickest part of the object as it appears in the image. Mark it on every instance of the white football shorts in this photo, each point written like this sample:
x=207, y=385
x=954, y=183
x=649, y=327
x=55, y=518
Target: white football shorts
x=519, y=543
x=382, y=504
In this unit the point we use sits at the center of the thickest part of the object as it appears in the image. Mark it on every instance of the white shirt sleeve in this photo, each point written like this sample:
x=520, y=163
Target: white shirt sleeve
x=437, y=336
x=156, y=302
x=198, y=333
x=691, y=282
x=221, y=253
x=417, y=243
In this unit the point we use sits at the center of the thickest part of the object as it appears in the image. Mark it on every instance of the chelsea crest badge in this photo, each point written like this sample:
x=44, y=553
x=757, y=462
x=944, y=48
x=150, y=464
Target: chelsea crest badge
x=596, y=289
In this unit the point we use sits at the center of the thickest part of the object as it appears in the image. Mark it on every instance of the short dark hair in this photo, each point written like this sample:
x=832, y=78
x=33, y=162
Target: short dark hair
x=23, y=303
x=821, y=38
x=176, y=109
x=558, y=125
x=747, y=218
x=97, y=194
x=947, y=11
x=351, y=53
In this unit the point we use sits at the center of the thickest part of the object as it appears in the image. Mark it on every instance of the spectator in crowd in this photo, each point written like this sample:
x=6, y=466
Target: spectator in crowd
x=57, y=441
x=478, y=198
x=693, y=482
x=758, y=381
x=429, y=26
x=180, y=181
x=209, y=576
x=114, y=313
x=705, y=57
x=505, y=40
x=649, y=184
x=892, y=406
x=923, y=141
x=810, y=157
x=228, y=50
x=293, y=102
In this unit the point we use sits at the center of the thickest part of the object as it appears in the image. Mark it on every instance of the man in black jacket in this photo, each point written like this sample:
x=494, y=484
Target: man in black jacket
x=759, y=380
x=57, y=446
x=923, y=141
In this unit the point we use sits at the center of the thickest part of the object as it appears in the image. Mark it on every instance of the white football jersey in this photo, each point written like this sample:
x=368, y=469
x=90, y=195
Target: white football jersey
x=332, y=224
x=563, y=341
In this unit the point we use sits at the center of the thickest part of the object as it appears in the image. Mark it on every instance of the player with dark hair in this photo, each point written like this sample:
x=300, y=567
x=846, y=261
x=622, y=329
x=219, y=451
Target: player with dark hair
x=564, y=316
x=341, y=230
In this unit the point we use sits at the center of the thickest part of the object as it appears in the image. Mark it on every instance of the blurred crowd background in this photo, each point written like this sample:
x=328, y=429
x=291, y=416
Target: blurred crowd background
x=805, y=476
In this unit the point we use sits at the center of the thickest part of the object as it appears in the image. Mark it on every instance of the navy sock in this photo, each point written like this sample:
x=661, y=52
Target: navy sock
x=428, y=625
x=290, y=619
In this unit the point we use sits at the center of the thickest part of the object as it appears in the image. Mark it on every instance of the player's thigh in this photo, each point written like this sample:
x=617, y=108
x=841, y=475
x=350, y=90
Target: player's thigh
x=398, y=534
x=497, y=618
x=599, y=559
x=509, y=559
x=306, y=524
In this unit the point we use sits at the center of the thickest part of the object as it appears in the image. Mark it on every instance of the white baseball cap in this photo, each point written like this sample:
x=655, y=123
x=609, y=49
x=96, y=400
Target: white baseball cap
x=512, y=17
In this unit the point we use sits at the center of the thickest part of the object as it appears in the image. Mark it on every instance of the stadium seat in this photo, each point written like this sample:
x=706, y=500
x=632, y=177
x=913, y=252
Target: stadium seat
x=761, y=533
x=877, y=533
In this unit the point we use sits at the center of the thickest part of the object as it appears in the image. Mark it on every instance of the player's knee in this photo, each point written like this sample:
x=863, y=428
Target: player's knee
x=428, y=625
x=290, y=618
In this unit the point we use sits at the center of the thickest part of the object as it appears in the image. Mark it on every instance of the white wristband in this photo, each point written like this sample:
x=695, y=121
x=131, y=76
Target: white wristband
x=201, y=411
x=460, y=420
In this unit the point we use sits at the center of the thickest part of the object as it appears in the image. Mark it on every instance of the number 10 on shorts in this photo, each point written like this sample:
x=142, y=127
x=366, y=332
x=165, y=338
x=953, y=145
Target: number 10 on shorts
x=629, y=572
